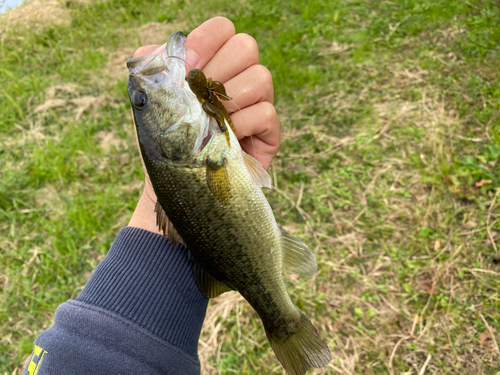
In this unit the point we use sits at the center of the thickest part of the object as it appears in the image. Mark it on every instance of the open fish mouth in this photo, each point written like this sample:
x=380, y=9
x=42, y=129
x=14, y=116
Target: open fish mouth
x=141, y=65
x=160, y=59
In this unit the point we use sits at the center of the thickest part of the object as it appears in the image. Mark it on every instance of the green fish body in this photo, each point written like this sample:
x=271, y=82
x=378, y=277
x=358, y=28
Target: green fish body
x=210, y=194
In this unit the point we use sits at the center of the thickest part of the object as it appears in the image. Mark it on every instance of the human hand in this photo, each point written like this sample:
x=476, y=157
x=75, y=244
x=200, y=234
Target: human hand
x=233, y=60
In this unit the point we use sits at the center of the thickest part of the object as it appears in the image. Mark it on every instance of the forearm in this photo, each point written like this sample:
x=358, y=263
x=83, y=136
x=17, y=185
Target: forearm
x=140, y=312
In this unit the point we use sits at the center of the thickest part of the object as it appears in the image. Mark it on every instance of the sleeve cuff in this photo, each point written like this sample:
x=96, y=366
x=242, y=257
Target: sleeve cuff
x=148, y=281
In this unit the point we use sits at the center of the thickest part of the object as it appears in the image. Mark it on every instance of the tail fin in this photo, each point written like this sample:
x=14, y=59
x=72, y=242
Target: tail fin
x=301, y=350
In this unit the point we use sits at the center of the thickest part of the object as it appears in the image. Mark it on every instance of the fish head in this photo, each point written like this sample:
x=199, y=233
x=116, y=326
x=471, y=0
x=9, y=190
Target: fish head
x=169, y=119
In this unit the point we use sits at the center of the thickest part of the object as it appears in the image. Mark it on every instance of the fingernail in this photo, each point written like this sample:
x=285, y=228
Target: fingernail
x=192, y=58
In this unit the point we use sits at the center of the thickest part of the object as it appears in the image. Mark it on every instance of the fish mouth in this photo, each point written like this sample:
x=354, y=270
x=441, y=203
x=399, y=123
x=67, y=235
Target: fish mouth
x=136, y=64
x=146, y=65
x=160, y=59
x=132, y=63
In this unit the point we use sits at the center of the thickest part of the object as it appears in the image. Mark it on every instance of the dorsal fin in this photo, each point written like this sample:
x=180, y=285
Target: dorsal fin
x=258, y=173
x=297, y=257
x=166, y=226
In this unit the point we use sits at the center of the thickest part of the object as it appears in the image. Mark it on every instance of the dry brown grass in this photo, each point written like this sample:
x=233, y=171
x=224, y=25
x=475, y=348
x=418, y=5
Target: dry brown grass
x=389, y=326
x=35, y=13
x=68, y=96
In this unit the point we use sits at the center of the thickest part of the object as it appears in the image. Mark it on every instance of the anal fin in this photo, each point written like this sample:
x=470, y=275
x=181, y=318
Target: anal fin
x=297, y=257
x=209, y=285
x=166, y=226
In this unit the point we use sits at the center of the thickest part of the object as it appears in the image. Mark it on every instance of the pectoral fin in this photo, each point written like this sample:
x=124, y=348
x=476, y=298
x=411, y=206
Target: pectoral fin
x=259, y=175
x=218, y=180
x=209, y=285
x=166, y=226
x=297, y=257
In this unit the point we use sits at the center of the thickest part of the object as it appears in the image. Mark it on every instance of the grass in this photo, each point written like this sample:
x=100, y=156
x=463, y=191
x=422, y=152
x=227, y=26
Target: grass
x=389, y=170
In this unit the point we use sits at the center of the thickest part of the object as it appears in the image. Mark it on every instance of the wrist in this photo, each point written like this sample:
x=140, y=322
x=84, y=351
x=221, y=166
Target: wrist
x=144, y=216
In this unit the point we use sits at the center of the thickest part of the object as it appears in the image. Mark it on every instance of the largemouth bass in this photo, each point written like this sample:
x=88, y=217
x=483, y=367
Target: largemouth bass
x=210, y=194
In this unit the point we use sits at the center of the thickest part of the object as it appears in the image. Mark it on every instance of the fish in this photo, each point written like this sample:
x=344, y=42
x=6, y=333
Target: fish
x=210, y=198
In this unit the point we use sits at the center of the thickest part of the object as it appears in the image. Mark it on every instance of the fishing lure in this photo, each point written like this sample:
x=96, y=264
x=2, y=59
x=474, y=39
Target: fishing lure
x=208, y=93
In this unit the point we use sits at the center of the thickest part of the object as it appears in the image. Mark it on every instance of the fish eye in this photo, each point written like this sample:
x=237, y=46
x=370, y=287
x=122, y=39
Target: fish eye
x=139, y=99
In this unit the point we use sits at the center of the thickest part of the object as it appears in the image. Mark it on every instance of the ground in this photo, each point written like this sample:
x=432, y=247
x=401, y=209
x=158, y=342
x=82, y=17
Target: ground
x=389, y=170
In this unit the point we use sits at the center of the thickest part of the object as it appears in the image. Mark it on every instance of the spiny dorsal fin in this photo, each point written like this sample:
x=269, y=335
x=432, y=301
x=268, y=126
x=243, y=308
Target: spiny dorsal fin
x=218, y=181
x=166, y=226
x=258, y=173
x=209, y=285
x=297, y=257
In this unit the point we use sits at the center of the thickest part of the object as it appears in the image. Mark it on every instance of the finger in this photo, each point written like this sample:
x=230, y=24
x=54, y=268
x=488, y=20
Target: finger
x=239, y=53
x=204, y=41
x=253, y=85
x=258, y=130
x=146, y=50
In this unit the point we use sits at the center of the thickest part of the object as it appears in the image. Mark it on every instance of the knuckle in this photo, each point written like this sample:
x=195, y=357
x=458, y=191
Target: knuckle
x=263, y=75
x=269, y=114
x=264, y=81
x=248, y=44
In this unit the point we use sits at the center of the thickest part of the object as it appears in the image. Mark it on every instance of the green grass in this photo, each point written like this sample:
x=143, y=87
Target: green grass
x=391, y=138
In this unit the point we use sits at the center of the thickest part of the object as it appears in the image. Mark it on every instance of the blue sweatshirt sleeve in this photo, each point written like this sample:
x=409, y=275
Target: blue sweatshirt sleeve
x=140, y=313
